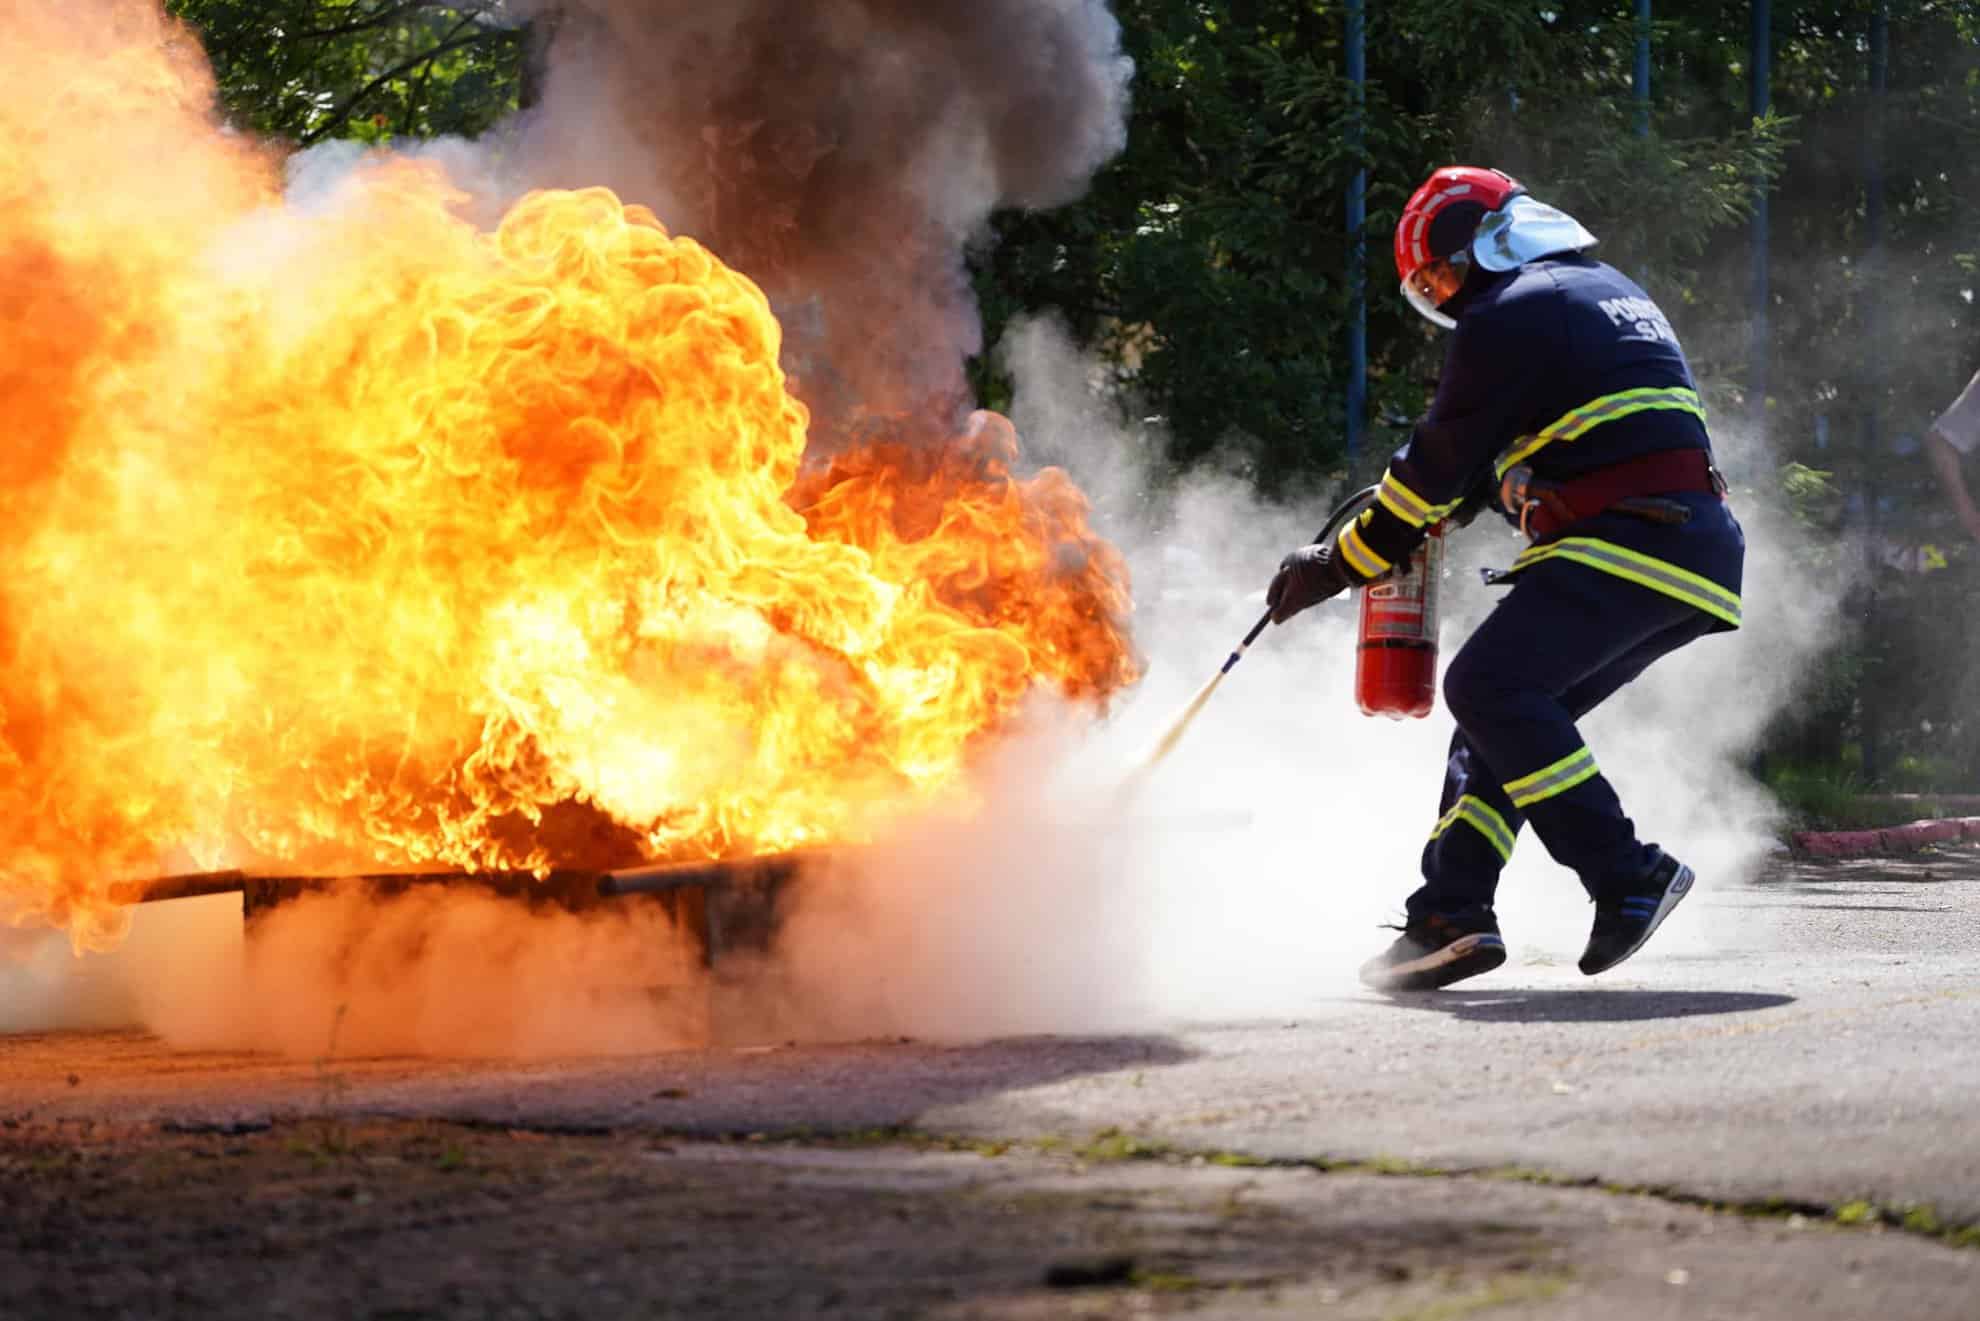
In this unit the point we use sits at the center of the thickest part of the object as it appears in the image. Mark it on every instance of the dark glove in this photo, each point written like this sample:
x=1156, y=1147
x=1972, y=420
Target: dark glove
x=1305, y=578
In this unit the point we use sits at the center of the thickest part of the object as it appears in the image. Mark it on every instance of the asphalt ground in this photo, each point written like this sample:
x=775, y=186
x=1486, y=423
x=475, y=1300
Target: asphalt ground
x=1691, y=1135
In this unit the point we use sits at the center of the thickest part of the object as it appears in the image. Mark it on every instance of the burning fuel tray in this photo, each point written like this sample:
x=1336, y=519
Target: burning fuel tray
x=725, y=907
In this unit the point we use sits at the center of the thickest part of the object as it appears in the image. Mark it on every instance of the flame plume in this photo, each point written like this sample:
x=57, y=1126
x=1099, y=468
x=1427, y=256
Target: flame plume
x=367, y=537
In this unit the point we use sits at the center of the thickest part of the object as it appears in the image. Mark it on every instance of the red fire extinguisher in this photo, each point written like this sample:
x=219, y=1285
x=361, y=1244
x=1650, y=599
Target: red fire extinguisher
x=1395, y=666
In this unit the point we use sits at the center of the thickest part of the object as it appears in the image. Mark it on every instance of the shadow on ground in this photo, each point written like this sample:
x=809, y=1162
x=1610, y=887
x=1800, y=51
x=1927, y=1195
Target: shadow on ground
x=132, y=1077
x=1585, y=1005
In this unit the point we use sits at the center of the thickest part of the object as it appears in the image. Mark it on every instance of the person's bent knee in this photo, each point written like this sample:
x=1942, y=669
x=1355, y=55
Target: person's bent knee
x=1472, y=690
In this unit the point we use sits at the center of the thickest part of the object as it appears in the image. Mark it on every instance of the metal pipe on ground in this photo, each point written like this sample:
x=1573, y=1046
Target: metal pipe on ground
x=655, y=878
x=191, y=885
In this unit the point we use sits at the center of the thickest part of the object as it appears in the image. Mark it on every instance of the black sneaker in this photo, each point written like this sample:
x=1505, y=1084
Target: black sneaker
x=1435, y=951
x=1624, y=920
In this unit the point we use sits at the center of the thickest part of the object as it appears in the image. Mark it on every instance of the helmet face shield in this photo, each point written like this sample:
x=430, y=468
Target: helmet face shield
x=1433, y=284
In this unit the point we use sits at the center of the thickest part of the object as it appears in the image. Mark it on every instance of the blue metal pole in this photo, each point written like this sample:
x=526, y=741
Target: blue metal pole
x=1875, y=378
x=1762, y=99
x=1357, y=222
x=1874, y=361
x=1880, y=45
x=1642, y=79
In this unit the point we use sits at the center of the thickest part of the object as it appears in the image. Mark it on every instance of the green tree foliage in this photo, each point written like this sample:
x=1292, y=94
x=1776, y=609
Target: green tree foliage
x=1210, y=263
x=370, y=70
x=1875, y=337
x=1873, y=333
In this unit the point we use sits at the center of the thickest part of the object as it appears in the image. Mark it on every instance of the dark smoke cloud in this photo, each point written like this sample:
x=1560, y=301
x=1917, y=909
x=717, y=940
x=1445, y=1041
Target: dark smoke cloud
x=840, y=152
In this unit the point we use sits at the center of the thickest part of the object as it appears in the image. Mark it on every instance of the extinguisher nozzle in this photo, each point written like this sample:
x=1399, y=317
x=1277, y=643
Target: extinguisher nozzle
x=1177, y=727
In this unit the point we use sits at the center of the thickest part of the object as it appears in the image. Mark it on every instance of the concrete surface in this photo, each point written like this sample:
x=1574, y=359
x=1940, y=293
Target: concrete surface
x=1838, y=1063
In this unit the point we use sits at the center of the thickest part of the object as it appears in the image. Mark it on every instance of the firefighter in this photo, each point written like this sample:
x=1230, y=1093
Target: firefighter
x=1566, y=403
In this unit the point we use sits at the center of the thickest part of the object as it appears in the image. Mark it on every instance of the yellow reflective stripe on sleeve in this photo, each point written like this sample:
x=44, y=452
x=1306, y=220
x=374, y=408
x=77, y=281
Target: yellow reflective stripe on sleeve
x=1407, y=505
x=1404, y=503
x=1643, y=570
x=1478, y=814
x=1558, y=778
x=1365, y=562
x=1580, y=421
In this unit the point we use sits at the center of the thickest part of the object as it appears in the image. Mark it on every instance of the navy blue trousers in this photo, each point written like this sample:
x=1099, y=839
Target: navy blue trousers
x=1565, y=638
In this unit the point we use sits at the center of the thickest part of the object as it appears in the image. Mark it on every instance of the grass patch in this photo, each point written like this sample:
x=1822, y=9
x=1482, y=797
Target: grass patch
x=1921, y=1218
x=1235, y=1160
x=1830, y=798
x=1836, y=797
x=1111, y=1144
x=1165, y=1281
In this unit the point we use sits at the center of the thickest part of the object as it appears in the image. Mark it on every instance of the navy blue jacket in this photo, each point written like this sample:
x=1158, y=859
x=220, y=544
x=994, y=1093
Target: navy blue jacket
x=1567, y=366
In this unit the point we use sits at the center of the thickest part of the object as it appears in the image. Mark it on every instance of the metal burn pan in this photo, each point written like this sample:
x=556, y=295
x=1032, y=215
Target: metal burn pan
x=728, y=906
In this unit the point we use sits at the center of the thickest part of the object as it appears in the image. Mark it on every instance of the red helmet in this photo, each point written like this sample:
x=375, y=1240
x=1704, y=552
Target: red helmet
x=1433, y=238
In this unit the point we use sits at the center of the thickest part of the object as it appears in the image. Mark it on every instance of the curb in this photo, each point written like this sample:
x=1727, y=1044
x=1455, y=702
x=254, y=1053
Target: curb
x=1892, y=839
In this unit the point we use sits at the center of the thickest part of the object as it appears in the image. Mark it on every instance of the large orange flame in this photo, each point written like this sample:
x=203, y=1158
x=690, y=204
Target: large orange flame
x=366, y=537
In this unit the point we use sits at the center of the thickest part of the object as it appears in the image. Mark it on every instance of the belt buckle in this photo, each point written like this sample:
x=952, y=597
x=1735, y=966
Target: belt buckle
x=1515, y=496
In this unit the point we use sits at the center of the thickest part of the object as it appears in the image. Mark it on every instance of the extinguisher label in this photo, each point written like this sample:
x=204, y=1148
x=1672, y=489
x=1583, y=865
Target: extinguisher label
x=1405, y=605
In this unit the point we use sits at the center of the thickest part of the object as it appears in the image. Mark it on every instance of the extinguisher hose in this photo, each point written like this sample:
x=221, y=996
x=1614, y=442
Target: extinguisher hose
x=1348, y=509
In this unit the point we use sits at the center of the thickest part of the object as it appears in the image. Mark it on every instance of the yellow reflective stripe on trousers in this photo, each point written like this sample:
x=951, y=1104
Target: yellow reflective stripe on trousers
x=1544, y=783
x=1478, y=814
x=1643, y=570
x=1407, y=505
x=1365, y=562
x=1581, y=421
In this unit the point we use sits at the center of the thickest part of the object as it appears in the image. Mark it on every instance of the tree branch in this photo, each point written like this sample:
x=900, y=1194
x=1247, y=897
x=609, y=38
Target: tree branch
x=470, y=13
x=343, y=113
x=418, y=94
x=377, y=18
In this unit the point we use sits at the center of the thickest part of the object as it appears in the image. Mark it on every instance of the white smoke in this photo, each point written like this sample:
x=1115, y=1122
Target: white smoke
x=46, y=986
x=436, y=971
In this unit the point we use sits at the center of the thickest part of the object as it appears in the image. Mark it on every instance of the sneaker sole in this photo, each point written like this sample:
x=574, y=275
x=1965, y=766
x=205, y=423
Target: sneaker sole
x=1467, y=956
x=1674, y=894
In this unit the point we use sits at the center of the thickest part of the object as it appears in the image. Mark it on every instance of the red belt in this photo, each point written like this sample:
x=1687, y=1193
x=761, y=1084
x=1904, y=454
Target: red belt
x=1666, y=472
